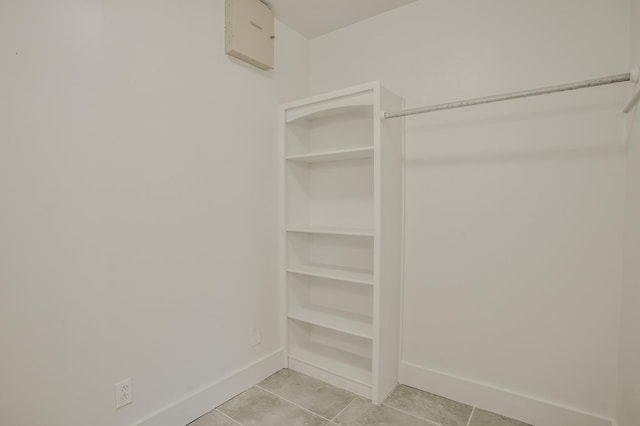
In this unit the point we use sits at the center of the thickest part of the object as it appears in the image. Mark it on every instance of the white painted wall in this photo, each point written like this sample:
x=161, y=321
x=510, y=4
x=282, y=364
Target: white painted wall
x=629, y=375
x=138, y=173
x=514, y=211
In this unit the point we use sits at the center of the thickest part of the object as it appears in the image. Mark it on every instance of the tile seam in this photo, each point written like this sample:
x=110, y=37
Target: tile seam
x=473, y=410
x=293, y=403
x=413, y=415
x=333, y=420
x=229, y=417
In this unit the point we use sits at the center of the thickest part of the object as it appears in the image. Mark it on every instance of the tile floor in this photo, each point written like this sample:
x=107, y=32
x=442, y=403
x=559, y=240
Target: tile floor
x=289, y=398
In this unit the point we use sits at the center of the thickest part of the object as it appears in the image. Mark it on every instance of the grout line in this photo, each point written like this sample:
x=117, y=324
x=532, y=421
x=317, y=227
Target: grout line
x=473, y=410
x=412, y=415
x=229, y=417
x=340, y=412
x=291, y=402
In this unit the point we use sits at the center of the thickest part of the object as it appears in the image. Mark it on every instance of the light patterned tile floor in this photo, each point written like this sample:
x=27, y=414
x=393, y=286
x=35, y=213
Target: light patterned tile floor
x=289, y=398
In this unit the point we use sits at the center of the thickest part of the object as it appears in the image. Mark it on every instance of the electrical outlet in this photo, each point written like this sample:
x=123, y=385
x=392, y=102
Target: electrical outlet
x=257, y=337
x=124, y=393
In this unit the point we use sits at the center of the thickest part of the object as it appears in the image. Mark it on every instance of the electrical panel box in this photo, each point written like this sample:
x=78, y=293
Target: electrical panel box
x=249, y=32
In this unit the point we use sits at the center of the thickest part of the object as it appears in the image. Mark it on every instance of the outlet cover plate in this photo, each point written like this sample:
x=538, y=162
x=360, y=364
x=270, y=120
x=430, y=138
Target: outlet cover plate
x=124, y=393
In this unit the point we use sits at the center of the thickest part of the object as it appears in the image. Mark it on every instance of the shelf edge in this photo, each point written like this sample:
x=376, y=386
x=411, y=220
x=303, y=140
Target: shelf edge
x=329, y=277
x=330, y=327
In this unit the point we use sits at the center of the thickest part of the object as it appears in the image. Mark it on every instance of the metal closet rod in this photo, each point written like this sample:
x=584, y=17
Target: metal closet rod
x=632, y=76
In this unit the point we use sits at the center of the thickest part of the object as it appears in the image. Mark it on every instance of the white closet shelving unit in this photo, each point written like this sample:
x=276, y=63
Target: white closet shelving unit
x=343, y=218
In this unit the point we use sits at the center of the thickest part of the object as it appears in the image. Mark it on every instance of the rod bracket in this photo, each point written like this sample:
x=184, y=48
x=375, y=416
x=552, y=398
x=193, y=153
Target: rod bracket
x=635, y=75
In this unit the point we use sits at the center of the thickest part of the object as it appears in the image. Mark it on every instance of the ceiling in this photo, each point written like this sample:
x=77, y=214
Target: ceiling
x=312, y=18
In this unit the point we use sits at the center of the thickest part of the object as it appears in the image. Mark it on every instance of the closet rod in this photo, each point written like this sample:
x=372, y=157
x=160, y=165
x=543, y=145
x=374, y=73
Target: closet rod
x=620, y=78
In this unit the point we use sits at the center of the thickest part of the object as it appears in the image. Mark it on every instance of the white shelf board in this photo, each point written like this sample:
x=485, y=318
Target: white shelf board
x=331, y=107
x=355, y=232
x=357, y=276
x=338, y=155
x=348, y=371
x=355, y=325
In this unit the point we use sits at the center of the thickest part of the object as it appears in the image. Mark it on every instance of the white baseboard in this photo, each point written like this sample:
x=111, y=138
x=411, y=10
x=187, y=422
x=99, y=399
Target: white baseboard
x=192, y=406
x=511, y=404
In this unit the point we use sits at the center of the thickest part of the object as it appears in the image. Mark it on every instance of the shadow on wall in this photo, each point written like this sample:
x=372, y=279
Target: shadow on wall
x=632, y=119
x=517, y=132
x=521, y=157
